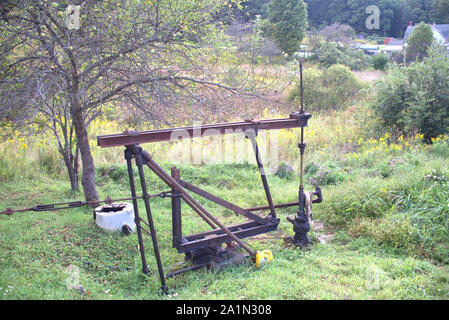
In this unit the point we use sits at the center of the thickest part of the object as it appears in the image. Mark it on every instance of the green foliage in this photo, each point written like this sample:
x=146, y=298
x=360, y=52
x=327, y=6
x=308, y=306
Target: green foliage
x=288, y=23
x=419, y=42
x=328, y=174
x=331, y=53
x=440, y=148
x=380, y=62
x=395, y=14
x=415, y=97
x=253, y=8
x=442, y=11
x=405, y=211
x=334, y=88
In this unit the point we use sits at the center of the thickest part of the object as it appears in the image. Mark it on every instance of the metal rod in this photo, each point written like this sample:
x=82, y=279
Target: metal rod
x=176, y=211
x=191, y=268
x=252, y=136
x=277, y=206
x=77, y=204
x=302, y=148
x=222, y=202
x=128, y=157
x=139, y=163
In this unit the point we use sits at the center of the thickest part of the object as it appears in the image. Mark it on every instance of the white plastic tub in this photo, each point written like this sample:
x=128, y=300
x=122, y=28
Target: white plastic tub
x=116, y=217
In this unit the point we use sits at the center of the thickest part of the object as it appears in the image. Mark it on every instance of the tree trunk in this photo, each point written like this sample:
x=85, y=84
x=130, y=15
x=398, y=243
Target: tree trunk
x=88, y=177
x=71, y=170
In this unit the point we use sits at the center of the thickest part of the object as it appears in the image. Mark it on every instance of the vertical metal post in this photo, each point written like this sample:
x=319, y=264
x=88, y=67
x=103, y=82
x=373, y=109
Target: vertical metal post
x=176, y=210
x=251, y=134
x=302, y=147
x=300, y=223
x=128, y=157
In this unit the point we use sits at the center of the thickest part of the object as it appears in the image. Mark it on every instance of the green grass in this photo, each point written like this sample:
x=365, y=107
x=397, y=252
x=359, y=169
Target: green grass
x=37, y=248
x=386, y=206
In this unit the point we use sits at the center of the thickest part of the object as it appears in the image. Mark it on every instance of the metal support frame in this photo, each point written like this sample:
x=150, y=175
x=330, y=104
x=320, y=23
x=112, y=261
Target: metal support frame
x=203, y=248
x=135, y=152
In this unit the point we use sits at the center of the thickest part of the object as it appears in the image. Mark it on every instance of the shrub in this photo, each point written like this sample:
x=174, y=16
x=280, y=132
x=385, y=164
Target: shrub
x=330, y=53
x=333, y=89
x=380, y=62
x=396, y=57
x=415, y=98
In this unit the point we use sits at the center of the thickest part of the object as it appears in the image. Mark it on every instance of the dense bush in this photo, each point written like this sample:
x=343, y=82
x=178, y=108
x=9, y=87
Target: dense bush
x=331, y=53
x=415, y=98
x=330, y=89
x=396, y=57
x=380, y=62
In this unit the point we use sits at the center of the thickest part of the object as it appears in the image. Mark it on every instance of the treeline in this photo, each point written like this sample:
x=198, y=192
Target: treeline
x=395, y=15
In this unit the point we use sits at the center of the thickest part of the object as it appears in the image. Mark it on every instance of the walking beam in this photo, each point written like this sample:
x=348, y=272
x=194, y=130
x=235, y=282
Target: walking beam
x=296, y=120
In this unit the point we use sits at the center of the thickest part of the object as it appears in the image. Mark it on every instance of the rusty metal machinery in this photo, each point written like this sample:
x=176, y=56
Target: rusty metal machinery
x=203, y=249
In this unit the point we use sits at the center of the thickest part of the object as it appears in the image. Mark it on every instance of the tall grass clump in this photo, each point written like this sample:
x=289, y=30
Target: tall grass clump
x=408, y=211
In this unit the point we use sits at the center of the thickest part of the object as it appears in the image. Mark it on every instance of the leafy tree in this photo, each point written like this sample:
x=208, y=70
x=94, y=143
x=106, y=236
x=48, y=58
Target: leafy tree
x=380, y=62
x=395, y=15
x=319, y=15
x=420, y=10
x=415, y=98
x=253, y=8
x=442, y=11
x=146, y=56
x=287, y=23
x=419, y=42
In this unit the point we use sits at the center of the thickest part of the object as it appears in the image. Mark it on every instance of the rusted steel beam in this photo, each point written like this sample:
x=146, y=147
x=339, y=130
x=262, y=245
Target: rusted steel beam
x=223, y=202
x=218, y=236
x=129, y=138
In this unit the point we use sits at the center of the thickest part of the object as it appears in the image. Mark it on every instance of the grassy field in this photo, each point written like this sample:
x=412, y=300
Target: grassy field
x=384, y=215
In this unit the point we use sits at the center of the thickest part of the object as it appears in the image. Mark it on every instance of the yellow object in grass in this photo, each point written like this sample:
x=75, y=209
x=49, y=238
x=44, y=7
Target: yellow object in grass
x=263, y=258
